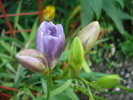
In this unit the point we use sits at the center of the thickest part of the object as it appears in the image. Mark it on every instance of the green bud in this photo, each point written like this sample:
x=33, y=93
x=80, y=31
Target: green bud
x=76, y=55
x=32, y=60
x=88, y=35
x=108, y=81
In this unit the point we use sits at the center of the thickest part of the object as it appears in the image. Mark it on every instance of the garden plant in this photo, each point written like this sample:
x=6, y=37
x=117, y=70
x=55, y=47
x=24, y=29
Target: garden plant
x=55, y=60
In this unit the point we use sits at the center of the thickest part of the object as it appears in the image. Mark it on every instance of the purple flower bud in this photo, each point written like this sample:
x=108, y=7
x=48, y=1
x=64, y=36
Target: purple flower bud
x=32, y=60
x=50, y=41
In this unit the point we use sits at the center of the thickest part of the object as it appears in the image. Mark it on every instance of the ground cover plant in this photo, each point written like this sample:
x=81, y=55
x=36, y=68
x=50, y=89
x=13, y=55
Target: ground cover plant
x=60, y=65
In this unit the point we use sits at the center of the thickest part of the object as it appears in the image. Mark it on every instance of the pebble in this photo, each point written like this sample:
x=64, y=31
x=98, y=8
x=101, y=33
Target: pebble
x=117, y=89
x=127, y=75
x=131, y=72
x=122, y=72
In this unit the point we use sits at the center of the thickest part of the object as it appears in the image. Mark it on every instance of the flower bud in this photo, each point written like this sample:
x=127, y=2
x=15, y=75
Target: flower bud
x=76, y=56
x=50, y=41
x=108, y=81
x=32, y=60
x=88, y=35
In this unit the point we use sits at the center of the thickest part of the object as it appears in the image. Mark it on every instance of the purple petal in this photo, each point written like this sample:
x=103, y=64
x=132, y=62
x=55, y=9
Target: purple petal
x=59, y=46
x=49, y=44
x=47, y=28
x=39, y=42
x=59, y=29
x=58, y=49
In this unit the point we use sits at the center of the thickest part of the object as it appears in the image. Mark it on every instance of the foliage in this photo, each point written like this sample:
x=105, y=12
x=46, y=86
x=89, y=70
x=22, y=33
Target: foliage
x=112, y=15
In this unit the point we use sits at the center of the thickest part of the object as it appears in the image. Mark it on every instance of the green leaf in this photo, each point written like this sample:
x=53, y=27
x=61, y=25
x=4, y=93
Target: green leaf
x=13, y=40
x=86, y=67
x=61, y=88
x=3, y=63
x=33, y=31
x=124, y=15
x=121, y=2
x=70, y=92
x=111, y=11
x=17, y=12
x=7, y=57
x=8, y=47
x=10, y=67
x=24, y=34
x=60, y=97
x=73, y=13
x=7, y=84
x=18, y=76
x=101, y=40
x=44, y=84
x=64, y=55
x=33, y=79
x=96, y=6
x=27, y=91
x=92, y=75
x=86, y=13
x=56, y=91
x=7, y=75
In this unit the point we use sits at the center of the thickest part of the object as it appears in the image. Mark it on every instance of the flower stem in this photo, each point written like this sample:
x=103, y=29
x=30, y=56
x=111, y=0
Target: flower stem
x=49, y=83
x=48, y=88
x=87, y=85
x=124, y=88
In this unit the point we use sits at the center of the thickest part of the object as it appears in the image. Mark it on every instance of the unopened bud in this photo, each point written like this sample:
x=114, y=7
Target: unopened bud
x=88, y=35
x=32, y=60
x=76, y=56
x=108, y=81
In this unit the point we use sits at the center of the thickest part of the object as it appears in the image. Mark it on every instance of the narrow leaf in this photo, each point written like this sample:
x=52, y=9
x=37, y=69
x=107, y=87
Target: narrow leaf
x=71, y=94
x=96, y=6
x=86, y=13
x=8, y=47
x=121, y=2
x=33, y=31
x=111, y=11
x=7, y=57
x=17, y=12
x=24, y=34
x=61, y=88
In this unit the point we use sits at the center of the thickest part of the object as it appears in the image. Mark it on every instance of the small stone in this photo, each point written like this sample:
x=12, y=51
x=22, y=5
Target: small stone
x=131, y=72
x=128, y=86
x=127, y=75
x=125, y=82
x=117, y=89
x=122, y=72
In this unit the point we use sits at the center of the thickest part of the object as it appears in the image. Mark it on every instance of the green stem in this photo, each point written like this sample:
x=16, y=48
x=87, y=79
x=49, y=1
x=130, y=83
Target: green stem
x=49, y=82
x=48, y=88
x=83, y=80
x=86, y=67
x=124, y=88
x=90, y=94
x=87, y=85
